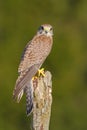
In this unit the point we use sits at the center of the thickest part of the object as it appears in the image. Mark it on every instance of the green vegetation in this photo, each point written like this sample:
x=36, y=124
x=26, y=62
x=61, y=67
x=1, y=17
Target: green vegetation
x=19, y=21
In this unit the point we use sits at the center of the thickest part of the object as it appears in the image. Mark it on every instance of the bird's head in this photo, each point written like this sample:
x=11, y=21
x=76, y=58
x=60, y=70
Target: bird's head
x=45, y=29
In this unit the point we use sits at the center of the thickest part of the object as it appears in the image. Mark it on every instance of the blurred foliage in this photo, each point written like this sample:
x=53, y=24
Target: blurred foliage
x=19, y=21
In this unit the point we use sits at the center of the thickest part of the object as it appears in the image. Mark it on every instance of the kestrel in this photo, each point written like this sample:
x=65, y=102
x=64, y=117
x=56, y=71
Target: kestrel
x=35, y=53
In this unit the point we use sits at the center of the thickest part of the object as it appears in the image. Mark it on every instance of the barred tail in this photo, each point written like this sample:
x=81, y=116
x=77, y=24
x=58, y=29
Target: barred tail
x=29, y=98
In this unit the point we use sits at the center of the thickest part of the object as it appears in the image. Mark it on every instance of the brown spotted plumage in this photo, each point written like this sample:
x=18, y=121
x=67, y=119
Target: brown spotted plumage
x=33, y=57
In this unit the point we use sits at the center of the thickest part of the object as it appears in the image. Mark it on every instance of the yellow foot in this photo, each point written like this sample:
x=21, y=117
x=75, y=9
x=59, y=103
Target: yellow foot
x=41, y=72
x=34, y=77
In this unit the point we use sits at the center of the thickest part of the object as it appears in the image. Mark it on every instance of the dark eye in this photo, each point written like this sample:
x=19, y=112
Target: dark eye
x=51, y=29
x=41, y=27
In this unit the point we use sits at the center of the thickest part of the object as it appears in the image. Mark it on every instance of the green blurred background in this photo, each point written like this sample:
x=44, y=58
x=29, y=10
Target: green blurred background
x=19, y=20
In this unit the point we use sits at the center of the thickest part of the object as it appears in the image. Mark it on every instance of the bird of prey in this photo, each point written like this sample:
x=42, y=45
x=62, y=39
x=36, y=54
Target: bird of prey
x=35, y=53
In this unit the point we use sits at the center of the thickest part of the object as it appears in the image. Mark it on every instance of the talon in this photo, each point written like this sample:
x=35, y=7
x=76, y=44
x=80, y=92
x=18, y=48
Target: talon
x=41, y=72
x=34, y=77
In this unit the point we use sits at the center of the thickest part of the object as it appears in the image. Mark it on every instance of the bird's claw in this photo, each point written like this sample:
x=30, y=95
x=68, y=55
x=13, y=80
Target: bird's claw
x=41, y=72
x=34, y=77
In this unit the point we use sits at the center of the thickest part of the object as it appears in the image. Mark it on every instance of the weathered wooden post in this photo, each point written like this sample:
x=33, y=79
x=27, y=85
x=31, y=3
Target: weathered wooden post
x=42, y=102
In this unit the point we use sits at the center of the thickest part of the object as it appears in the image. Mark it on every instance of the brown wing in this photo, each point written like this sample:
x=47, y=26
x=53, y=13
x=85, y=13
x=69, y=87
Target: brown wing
x=25, y=58
x=35, y=52
x=34, y=55
x=24, y=79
